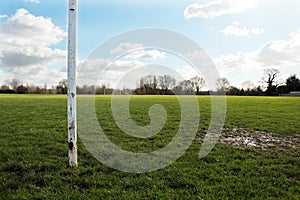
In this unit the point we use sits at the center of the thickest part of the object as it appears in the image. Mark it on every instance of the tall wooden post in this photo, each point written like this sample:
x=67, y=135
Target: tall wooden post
x=72, y=123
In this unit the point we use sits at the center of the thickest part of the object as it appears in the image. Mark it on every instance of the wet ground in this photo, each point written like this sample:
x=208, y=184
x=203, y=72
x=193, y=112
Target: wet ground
x=258, y=139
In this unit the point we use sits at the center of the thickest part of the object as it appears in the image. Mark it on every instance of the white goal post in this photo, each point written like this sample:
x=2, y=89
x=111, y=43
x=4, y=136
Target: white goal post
x=72, y=123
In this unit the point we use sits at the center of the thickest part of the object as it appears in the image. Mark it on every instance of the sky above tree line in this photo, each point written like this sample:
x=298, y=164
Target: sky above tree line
x=241, y=37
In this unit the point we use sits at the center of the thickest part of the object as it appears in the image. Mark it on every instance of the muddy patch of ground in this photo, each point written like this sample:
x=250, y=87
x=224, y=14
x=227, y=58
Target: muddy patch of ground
x=258, y=139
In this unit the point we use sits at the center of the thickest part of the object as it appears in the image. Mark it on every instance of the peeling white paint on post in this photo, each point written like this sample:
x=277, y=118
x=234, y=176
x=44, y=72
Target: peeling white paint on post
x=72, y=123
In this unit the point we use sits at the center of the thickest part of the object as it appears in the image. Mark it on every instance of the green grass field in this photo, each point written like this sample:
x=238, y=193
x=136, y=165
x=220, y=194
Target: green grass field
x=33, y=153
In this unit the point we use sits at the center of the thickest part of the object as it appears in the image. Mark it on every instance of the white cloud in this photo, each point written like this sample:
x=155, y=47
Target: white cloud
x=257, y=31
x=137, y=51
x=34, y=76
x=25, y=46
x=217, y=8
x=146, y=54
x=273, y=53
x=94, y=65
x=281, y=52
x=187, y=72
x=3, y=16
x=239, y=60
x=32, y=1
x=236, y=23
x=26, y=39
x=126, y=47
x=99, y=70
x=237, y=30
x=126, y=64
x=130, y=59
x=201, y=60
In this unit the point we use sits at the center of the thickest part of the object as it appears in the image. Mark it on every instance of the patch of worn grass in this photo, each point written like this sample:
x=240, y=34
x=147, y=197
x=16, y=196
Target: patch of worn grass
x=33, y=153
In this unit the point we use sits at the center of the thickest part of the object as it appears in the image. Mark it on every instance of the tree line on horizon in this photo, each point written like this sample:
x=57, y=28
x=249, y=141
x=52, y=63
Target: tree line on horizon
x=167, y=85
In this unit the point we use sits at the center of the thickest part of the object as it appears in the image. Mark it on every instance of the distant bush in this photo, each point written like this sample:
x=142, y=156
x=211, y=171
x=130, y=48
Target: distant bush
x=7, y=91
x=21, y=89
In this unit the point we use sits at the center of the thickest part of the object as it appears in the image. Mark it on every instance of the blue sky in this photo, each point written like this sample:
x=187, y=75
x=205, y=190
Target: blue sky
x=241, y=37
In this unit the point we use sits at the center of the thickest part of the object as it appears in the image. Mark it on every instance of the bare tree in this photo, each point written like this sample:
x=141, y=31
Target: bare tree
x=222, y=84
x=166, y=82
x=14, y=83
x=269, y=77
x=187, y=87
x=248, y=85
x=197, y=83
x=149, y=81
x=104, y=86
x=44, y=90
x=7, y=83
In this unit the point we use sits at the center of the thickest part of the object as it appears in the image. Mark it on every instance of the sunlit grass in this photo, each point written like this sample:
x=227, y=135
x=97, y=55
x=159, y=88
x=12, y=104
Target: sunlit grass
x=33, y=153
